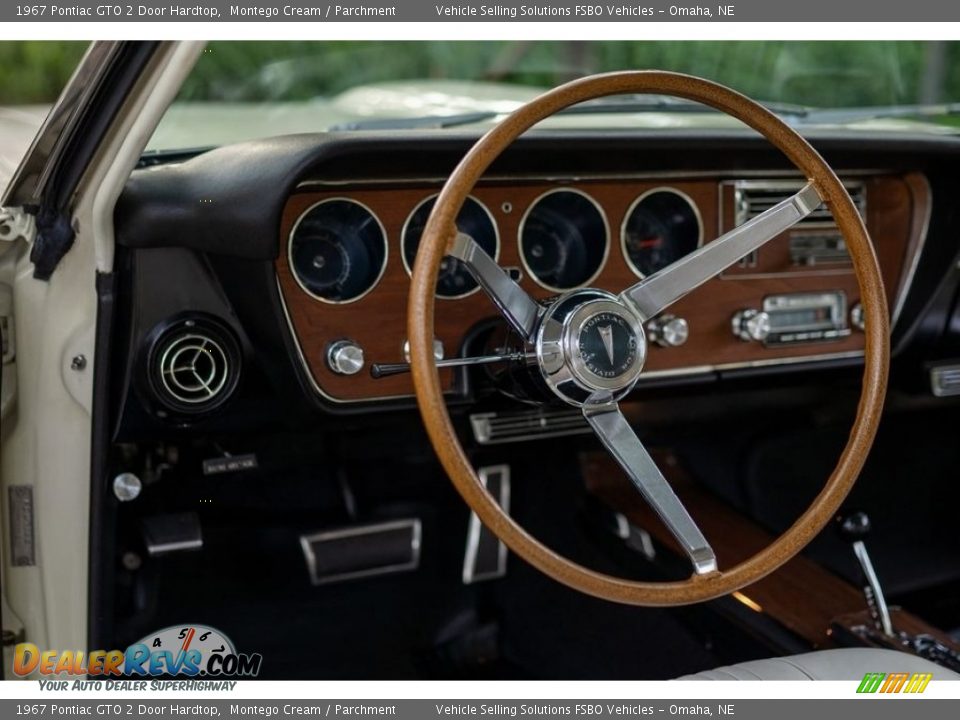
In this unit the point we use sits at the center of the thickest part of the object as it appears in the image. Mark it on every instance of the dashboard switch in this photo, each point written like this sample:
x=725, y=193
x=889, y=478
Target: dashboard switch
x=751, y=324
x=668, y=331
x=345, y=357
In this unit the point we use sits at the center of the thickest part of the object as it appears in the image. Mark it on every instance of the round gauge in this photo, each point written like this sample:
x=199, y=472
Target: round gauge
x=454, y=279
x=563, y=240
x=661, y=227
x=180, y=638
x=338, y=250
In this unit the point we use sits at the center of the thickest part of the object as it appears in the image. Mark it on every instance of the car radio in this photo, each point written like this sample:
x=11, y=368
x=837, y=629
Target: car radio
x=794, y=318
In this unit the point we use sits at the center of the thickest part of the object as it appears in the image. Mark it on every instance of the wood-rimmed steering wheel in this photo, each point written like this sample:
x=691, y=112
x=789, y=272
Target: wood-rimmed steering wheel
x=590, y=347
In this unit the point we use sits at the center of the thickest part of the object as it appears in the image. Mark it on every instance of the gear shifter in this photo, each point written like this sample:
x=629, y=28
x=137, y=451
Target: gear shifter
x=854, y=528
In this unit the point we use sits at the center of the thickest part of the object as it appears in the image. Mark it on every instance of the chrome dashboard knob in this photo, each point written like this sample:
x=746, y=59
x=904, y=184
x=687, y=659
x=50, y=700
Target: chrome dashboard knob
x=751, y=324
x=668, y=331
x=857, y=317
x=345, y=357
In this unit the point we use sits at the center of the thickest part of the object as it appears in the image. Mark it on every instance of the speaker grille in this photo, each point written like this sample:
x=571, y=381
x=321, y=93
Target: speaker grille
x=194, y=366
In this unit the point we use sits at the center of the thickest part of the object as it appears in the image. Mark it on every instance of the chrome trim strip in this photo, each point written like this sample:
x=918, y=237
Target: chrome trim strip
x=416, y=535
x=383, y=236
x=33, y=173
x=487, y=180
x=163, y=548
x=606, y=240
x=906, y=278
x=403, y=235
x=771, y=362
x=633, y=206
x=788, y=274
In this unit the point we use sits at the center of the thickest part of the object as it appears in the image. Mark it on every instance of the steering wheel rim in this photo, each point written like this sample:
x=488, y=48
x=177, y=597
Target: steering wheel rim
x=441, y=237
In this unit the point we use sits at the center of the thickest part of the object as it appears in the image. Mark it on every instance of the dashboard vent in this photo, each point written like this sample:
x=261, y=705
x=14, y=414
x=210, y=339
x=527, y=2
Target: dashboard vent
x=194, y=365
x=493, y=428
x=752, y=197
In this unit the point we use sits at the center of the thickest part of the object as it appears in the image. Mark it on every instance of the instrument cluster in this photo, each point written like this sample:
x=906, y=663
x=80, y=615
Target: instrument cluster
x=347, y=250
x=338, y=248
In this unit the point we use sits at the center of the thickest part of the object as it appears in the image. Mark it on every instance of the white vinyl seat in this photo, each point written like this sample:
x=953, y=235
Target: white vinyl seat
x=842, y=664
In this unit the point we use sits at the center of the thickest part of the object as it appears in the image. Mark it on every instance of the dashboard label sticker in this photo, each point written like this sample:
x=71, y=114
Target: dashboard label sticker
x=22, y=540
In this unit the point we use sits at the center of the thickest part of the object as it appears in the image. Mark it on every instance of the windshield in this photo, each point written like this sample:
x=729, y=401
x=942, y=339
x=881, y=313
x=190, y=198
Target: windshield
x=243, y=90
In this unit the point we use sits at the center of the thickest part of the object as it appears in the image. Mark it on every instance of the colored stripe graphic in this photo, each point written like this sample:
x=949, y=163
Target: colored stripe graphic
x=894, y=683
x=871, y=682
x=919, y=682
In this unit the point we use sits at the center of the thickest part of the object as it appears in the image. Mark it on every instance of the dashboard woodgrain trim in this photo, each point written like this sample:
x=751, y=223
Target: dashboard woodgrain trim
x=377, y=321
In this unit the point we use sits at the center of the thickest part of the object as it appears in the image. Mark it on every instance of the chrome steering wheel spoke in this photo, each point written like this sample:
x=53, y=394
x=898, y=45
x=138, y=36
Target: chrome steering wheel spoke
x=653, y=294
x=520, y=310
x=622, y=443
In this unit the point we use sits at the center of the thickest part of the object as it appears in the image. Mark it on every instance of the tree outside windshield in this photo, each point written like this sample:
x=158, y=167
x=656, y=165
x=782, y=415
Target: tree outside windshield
x=820, y=74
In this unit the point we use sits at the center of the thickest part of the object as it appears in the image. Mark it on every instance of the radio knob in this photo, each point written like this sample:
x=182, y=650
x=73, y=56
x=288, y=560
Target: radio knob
x=751, y=324
x=668, y=331
x=345, y=357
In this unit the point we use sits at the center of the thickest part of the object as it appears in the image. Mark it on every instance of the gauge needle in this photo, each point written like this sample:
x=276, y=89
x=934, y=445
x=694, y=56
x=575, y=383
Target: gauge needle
x=651, y=242
x=187, y=640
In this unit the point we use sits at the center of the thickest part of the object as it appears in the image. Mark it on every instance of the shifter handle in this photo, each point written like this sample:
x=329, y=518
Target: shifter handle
x=854, y=528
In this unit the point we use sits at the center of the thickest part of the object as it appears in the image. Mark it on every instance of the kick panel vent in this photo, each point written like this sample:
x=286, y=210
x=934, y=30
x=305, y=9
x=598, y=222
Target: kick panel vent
x=752, y=197
x=193, y=365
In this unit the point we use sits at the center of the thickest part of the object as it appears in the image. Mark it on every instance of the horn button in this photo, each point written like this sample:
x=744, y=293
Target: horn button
x=590, y=347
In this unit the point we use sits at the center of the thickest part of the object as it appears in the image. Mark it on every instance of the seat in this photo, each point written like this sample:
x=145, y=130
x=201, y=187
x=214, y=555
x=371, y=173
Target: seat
x=842, y=664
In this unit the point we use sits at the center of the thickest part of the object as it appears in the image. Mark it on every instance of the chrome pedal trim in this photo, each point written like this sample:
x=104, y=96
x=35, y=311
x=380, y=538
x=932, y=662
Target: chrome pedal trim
x=332, y=568
x=485, y=557
x=945, y=380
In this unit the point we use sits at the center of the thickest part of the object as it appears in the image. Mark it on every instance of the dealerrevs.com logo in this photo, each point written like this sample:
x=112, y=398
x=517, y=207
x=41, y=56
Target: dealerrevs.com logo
x=901, y=682
x=179, y=650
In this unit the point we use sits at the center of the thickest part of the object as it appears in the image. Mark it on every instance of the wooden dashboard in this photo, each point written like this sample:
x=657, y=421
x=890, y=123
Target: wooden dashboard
x=896, y=211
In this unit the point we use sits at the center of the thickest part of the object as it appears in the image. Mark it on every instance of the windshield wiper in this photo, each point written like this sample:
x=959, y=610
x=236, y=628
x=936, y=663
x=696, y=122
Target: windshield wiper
x=665, y=103
x=149, y=158
x=616, y=104
x=853, y=114
x=426, y=122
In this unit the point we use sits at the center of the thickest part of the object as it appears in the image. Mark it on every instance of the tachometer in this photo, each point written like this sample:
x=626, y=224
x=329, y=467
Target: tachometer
x=338, y=250
x=563, y=240
x=661, y=227
x=454, y=280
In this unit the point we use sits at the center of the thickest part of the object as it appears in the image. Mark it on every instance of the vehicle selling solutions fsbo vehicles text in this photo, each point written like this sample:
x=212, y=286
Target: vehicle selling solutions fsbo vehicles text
x=596, y=11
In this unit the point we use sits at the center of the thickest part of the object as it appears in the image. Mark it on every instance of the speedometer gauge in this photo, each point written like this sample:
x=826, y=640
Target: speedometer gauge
x=454, y=279
x=563, y=240
x=338, y=250
x=661, y=227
